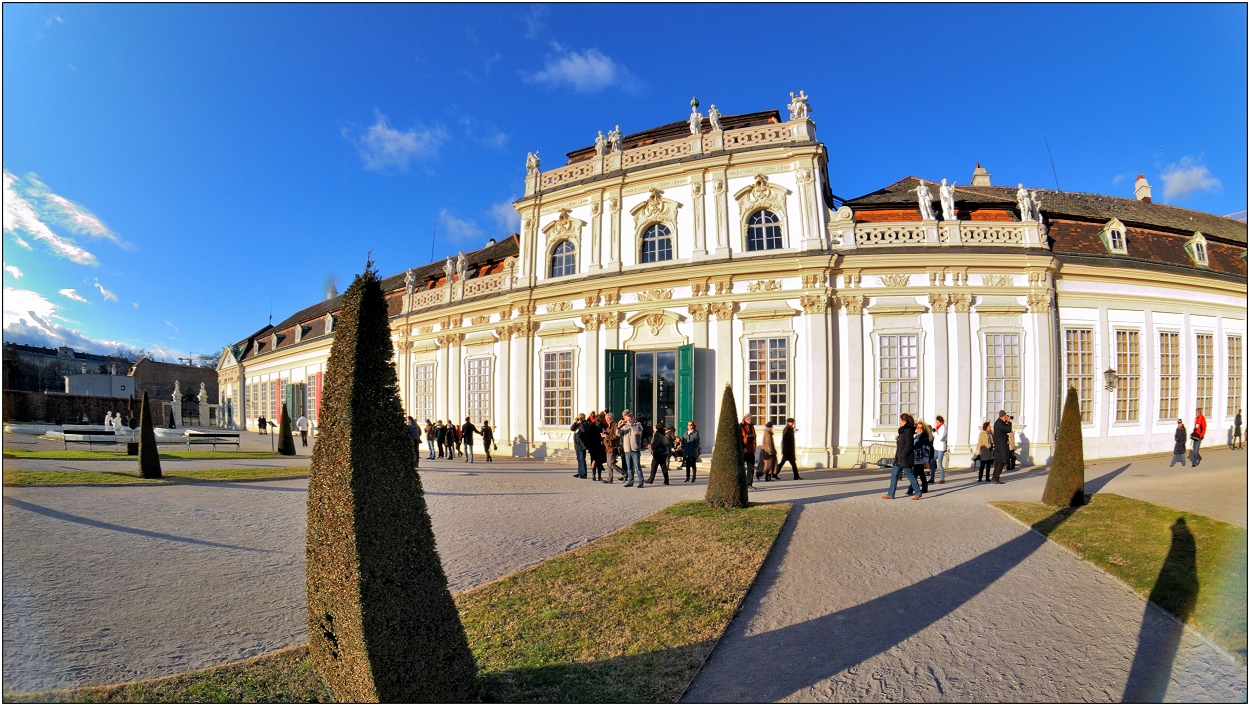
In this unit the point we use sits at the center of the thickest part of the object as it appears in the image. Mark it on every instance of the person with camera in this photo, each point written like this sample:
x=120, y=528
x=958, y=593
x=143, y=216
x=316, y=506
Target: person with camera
x=629, y=432
x=1002, y=444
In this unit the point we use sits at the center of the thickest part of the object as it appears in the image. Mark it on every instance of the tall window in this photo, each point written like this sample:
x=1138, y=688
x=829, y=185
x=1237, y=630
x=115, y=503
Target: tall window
x=1079, y=368
x=1204, y=359
x=1002, y=374
x=763, y=231
x=657, y=245
x=1128, y=369
x=899, y=376
x=768, y=379
x=310, y=396
x=478, y=387
x=264, y=400
x=1234, y=375
x=253, y=399
x=1169, y=375
x=558, y=388
x=423, y=391
x=564, y=259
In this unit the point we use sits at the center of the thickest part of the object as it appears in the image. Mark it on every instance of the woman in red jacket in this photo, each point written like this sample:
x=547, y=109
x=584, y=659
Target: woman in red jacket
x=1200, y=432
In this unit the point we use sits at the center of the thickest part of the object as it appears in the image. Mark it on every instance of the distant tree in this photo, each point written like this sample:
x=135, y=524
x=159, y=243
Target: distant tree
x=726, y=487
x=1065, y=484
x=382, y=625
x=149, y=458
x=286, y=442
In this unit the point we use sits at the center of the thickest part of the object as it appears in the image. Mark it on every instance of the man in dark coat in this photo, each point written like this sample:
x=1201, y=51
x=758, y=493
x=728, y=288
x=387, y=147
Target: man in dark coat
x=579, y=447
x=747, y=430
x=467, y=430
x=1002, y=432
x=787, y=448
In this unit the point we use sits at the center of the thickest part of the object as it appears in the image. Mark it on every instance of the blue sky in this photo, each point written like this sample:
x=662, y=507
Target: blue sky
x=175, y=172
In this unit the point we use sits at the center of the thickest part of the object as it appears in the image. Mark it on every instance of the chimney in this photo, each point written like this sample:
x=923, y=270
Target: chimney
x=980, y=177
x=1142, y=189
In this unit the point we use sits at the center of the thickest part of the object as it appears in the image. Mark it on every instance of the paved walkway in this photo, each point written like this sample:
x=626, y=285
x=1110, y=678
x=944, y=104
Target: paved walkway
x=945, y=599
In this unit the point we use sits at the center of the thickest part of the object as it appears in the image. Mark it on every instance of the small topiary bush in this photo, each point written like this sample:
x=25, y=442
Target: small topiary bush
x=381, y=622
x=1065, y=484
x=149, y=457
x=286, y=442
x=725, y=485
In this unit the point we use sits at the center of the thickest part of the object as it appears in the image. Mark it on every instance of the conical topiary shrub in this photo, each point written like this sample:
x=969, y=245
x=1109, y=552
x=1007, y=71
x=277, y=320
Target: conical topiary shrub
x=1065, y=485
x=381, y=622
x=286, y=442
x=726, y=487
x=149, y=457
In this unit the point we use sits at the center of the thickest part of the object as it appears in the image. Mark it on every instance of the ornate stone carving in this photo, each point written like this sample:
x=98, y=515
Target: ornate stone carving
x=610, y=319
x=526, y=308
x=803, y=176
x=811, y=281
x=699, y=312
x=1037, y=278
x=925, y=199
x=451, y=322
x=718, y=185
x=797, y=106
x=427, y=329
x=611, y=298
x=939, y=303
x=1039, y=302
x=564, y=228
x=996, y=280
x=450, y=339
x=479, y=320
x=815, y=304
x=699, y=289
x=555, y=307
x=592, y=321
x=852, y=279
x=655, y=322
x=723, y=286
x=962, y=302
x=656, y=209
x=531, y=162
x=899, y=280
x=524, y=328
x=764, y=285
x=723, y=311
x=595, y=208
x=652, y=295
x=505, y=314
x=696, y=189
x=403, y=346
x=853, y=303
x=591, y=300
x=761, y=194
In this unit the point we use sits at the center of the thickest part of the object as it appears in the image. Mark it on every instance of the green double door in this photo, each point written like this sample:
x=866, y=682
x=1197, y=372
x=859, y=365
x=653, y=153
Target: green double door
x=655, y=385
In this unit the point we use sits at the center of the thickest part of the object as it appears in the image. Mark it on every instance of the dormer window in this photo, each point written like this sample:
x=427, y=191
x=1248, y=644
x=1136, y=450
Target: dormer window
x=1113, y=237
x=1196, y=248
x=331, y=320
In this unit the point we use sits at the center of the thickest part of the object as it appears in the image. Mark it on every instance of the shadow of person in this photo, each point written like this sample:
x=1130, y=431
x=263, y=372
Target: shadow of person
x=1175, y=591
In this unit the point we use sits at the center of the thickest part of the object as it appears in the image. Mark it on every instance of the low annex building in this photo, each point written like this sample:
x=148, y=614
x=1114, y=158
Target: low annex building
x=653, y=269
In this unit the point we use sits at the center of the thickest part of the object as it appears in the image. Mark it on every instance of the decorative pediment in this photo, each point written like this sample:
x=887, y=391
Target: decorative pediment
x=652, y=328
x=566, y=227
x=762, y=194
x=656, y=209
x=556, y=329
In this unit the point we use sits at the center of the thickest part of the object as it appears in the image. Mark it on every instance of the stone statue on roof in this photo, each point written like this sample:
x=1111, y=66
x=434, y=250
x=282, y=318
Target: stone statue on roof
x=713, y=116
x=799, y=109
x=531, y=162
x=614, y=138
x=601, y=144
x=696, y=121
x=926, y=201
x=448, y=269
x=462, y=266
x=409, y=281
x=1025, y=203
x=1036, y=198
x=946, y=194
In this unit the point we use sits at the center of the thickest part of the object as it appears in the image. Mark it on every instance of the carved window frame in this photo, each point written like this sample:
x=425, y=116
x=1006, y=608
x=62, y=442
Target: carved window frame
x=564, y=228
x=655, y=210
x=672, y=244
x=762, y=195
x=746, y=231
x=552, y=255
x=1198, y=250
x=1108, y=236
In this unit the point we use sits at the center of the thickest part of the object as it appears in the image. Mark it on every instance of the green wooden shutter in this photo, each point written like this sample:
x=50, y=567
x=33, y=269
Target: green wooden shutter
x=685, y=386
x=619, y=382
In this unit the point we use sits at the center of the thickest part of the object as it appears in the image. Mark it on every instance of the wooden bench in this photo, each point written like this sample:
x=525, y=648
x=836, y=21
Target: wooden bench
x=225, y=438
x=91, y=436
x=879, y=454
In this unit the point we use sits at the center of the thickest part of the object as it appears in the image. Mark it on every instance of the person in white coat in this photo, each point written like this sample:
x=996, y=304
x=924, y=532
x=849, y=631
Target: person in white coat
x=937, y=468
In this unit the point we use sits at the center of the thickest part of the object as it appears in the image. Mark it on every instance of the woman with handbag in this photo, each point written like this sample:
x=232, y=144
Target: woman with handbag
x=985, y=453
x=904, y=456
x=922, y=452
x=768, y=450
x=1178, y=449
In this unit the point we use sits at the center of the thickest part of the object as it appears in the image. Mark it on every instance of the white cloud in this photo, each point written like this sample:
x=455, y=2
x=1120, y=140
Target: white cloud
x=1187, y=177
x=382, y=147
x=136, y=304
x=18, y=240
x=31, y=319
x=457, y=229
x=47, y=21
x=20, y=216
x=73, y=294
x=1120, y=178
x=484, y=133
x=108, y=296
x=506, y=216
x=586, y=72
x=535, y=21
x=12, y=269
x=175, y=328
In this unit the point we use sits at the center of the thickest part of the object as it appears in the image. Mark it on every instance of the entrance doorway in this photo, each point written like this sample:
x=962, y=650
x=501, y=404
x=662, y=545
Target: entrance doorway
x=655, y=385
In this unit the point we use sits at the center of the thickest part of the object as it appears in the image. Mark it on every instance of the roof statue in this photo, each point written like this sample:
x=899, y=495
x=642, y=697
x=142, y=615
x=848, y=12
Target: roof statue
x=614, y=138
x=462, y=266
x=409, y=281
x=448, y=269
x=696, y=120
x=601, y=144
x=798, y=107
x=713, y=115
x=1025, y=203
x=926, y=201
x=531, y=162
x=946, y=194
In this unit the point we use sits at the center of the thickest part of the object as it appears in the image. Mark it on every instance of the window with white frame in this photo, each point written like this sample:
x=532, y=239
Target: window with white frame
x=1002, y=374
x=1113, y=237
x=1117, y=239
x=657, y=245
x=264, y=400
x=1169, y=375
x=253, y=398
x=564, y=259
x=898, y=377
x=1204, y=364
x=763, y=231
x=558, y=388
x=310, y=397
x=1196, y=247
x=478, y=386
x=768, y=379
x=1234, y=375
x=423, y=391
x=1079, y=368
x=1128, y=375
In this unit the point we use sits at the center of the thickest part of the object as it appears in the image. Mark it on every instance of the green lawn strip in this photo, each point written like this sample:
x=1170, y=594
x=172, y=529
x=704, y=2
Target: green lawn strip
x=628, y=618
x=44, y=478
x=80, y=455
x=1131, y=539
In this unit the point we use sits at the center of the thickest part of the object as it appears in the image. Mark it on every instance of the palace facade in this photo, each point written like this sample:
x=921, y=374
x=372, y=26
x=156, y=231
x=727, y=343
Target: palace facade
x=651, y=270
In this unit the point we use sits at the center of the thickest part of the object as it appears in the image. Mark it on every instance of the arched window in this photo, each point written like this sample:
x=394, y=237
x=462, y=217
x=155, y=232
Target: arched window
x=563, y=259
x=763, y=231
x=657, y=244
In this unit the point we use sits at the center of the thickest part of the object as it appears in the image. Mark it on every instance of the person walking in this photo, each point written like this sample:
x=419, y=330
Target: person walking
x=414, y=433
x=488, y=439
x=904, y=456
x=302, y=425
x=429, y=438
x=985, y=452
x=467, y=431
x=1178, y=448
x=630, y=433
x=1199, y=433
x=747, y=430
x=661, y=446
x=1002, y=444
x=579, y=450
x=1011, y=446
x=922, y=453
x=592, y=440
x=937, y=465
x=262, y=425
x=458, y=435
x=690, y=451
x=611, y=445
x=787, y=448
x=440, y=432
x=768, y=453
x=1236, y=441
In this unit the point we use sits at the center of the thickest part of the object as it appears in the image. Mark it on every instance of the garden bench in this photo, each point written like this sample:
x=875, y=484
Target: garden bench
x=88, y=435
x=213, y=437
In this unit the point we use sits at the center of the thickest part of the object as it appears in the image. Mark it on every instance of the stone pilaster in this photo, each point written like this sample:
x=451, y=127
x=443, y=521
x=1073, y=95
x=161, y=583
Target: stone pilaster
x=853, y=380
x=963, y=419
x=938, y=304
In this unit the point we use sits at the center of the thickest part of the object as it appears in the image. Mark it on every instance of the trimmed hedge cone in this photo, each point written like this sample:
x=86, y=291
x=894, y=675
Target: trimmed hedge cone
x=1065, y=484
x=726, y=486
x=286, y=442
x=149, y=457
x=382, y=625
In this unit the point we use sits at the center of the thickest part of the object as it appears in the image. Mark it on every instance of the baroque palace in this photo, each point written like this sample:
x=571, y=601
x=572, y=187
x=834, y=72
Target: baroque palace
x=653, y=269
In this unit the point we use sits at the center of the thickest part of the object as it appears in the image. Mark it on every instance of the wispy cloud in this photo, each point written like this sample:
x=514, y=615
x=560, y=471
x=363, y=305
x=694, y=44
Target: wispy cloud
x=587, y=71
x=506, y=216
x=536, y=21
x=484, y=133
x=384, y=148
x=108, y=296
x=457, y=229
x=31, y=319
x=1120, y=178
x=12, y=269
x=171, y=325
x=18, y=240
x=1187, y=177
x=73, y=294
x=31, y=217
x=136, y=304
x=49, y=20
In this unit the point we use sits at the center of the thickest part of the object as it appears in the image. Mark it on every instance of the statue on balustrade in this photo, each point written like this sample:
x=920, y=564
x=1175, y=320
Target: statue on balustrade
x=926, y=201
x=531, y=162
x=713, y=116
x=799, y=109
x=946, y=194
x=614, y=138
x=601, y=144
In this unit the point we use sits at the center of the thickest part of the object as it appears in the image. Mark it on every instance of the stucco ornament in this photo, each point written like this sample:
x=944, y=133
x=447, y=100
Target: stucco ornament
x=713, y=116
x=946, y=193
x=799, y=109
x=926, y=201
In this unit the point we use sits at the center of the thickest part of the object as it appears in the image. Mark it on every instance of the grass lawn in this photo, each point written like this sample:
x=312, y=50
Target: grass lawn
x=628, y=618
x=1200, y=576
x=29, y=478
x=77, y=455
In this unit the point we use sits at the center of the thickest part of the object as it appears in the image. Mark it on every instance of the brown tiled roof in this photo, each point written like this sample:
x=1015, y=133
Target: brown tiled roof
x=678, y=130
